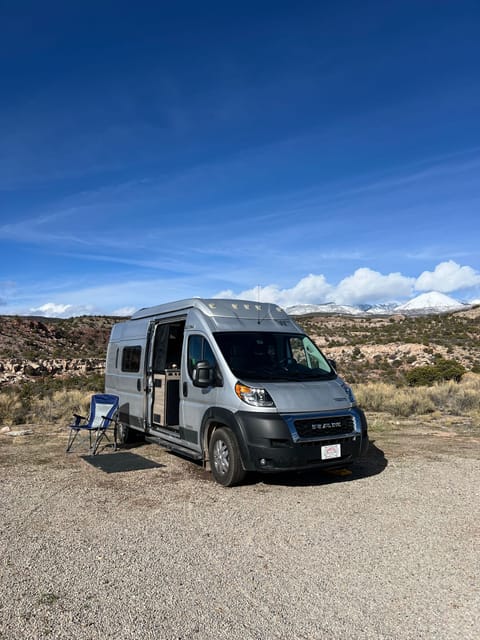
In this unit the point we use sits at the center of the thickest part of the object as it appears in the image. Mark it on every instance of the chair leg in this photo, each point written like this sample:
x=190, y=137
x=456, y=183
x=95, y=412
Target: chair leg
x=98, y=437
x=71, y=439
x=100, y=434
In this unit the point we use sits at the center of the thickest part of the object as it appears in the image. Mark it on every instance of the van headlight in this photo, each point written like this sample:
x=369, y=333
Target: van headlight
x=254, y=396
x=348, y=390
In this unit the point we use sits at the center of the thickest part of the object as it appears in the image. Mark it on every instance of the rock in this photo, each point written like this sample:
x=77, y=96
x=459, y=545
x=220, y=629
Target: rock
x=22, y=432
x=4, y=429
x=14, y=370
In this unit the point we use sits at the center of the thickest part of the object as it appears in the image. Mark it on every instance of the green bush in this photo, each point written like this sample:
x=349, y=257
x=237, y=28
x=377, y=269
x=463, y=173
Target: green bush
x=442, y=370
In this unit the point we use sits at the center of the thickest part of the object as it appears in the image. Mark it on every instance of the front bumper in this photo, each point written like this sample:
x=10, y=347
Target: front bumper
x=273, y=444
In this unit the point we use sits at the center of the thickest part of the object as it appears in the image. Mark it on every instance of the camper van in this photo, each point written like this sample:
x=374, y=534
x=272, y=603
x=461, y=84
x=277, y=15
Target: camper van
x=235, y=384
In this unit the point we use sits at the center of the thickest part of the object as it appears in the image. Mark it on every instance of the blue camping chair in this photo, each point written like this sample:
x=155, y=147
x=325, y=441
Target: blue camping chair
x=103, y=414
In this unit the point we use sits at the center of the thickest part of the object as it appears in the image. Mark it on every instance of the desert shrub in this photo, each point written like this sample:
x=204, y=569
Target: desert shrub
x=441, y=370
x=398, y=401
x=48, y=399
x=458, y=399
x=448, y=397
x=59, y=406
x=373, y=396
x=10, y=407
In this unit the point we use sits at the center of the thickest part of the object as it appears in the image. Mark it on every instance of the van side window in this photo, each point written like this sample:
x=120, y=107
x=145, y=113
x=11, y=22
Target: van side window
x=131, y=359
x=199, y=349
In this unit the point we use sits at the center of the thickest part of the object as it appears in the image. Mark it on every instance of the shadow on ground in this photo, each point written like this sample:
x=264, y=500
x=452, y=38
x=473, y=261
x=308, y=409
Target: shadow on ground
x=120, y=462
x=373, y=463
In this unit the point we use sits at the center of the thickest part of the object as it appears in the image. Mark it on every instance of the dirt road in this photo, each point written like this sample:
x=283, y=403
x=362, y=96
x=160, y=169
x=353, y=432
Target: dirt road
x=143, y=544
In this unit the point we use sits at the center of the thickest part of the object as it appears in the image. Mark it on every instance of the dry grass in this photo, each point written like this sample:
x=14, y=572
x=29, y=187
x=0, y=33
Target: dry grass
x=447, y=397
x=59, y=406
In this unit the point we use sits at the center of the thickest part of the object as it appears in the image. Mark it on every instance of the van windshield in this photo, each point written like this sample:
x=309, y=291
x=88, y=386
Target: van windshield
x=262, y=355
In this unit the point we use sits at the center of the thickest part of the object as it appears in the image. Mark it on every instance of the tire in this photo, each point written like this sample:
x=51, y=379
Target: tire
x=225, y=458
x=125, y=435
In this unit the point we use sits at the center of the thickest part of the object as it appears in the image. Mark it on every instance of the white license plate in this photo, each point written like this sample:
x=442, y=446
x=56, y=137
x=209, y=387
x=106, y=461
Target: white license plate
x=330, y=451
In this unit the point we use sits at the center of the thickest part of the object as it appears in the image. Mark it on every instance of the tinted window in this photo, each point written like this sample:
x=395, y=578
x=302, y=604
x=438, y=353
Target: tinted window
x=199, y=349
x=131, y=359
x=258, y=355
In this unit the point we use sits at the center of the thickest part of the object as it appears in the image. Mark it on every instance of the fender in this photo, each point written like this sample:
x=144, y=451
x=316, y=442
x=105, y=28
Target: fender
x=221, y=416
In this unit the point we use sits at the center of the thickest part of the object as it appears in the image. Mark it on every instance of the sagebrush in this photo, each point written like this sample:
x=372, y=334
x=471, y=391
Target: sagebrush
x=455, y=398
x=30, y=403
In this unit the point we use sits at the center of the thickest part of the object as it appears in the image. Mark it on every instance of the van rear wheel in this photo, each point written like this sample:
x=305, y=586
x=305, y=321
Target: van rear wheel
x=225, y=458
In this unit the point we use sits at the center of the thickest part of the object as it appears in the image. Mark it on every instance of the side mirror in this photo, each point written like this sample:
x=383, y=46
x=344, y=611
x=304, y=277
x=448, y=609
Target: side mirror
x=333, y=364
x=203, y=374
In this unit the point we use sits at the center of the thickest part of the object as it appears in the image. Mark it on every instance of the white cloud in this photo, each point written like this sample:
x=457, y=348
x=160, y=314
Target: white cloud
x=311, y=289
x=368, y=286
x=124, y=311
x=54, y=310
x=364, y=285
x=446, y=277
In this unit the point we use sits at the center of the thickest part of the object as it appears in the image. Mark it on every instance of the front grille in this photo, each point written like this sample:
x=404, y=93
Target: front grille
x=325, y=426
x=313, y=444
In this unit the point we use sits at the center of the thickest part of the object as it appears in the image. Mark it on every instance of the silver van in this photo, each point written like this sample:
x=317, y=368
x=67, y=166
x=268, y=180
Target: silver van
x=233, y=383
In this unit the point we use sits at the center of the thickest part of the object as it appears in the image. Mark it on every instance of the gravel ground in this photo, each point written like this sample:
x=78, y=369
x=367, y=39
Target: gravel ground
x=120, y=551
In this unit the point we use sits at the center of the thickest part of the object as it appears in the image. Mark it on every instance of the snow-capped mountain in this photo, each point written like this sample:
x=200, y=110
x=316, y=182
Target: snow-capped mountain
x=432, y=302
x=385, y=308
x=327, y=307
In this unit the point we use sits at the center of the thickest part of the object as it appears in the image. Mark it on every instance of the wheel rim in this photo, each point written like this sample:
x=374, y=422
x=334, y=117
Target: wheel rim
x=121, y=433
x=221, y=458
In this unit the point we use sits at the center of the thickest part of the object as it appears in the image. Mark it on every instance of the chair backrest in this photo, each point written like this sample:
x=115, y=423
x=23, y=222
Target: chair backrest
x=102, y=404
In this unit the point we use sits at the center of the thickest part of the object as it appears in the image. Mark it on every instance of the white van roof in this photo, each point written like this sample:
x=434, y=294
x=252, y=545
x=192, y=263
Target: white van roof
x=218, y=307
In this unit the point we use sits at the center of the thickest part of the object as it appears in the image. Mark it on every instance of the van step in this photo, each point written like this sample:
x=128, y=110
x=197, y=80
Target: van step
x=173, y=446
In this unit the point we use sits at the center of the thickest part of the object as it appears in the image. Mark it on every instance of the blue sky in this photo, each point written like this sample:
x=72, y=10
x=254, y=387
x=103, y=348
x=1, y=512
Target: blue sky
x=291, y=151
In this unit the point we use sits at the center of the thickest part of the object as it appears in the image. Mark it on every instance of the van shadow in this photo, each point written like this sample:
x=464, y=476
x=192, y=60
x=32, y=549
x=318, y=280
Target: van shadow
x=371, y=464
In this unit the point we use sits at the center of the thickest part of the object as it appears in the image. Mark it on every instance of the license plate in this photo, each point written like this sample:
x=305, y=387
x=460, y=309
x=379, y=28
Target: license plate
x=330, y=451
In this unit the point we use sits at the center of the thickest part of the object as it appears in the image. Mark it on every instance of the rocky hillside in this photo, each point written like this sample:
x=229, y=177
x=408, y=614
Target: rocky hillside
x=36, y=347
x=387, y=347
x=31, y=337
x=365, y=348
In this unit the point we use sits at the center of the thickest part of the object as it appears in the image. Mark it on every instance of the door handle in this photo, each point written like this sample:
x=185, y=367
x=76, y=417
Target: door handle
x=185, y=389
x=139, y=384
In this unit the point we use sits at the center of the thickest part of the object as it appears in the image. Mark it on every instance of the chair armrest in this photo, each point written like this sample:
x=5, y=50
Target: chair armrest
x=78, y=420
x=110, y=419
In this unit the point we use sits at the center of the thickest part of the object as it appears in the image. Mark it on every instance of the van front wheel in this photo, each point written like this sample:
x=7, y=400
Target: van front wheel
x=225, y=458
